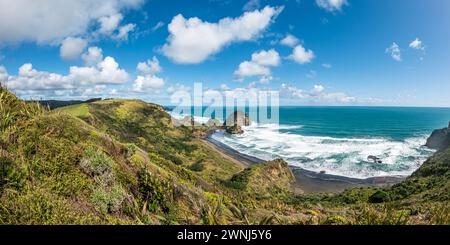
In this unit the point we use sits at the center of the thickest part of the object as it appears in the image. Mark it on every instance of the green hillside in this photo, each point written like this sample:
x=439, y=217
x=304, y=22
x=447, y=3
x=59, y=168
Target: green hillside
x=124, y=162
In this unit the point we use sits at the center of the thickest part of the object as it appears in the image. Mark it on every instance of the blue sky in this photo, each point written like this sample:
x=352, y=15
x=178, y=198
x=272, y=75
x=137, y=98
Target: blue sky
x=338, y=52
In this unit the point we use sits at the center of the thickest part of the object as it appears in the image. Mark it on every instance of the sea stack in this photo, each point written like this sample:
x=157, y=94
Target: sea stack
x=214, y=123
x=234, y=122
x=439, y=139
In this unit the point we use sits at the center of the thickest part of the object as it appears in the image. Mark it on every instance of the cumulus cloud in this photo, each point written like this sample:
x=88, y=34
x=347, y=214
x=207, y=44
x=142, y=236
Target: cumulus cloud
x=51, y=22
x=290, y=40
x=394, y=51
x=259, y=65
x=301, y=55
x=124, y=31
x=147, y=83
x=106, y=72
x=417, y=44
x=177, y=88
x=108, y=24
x=266, y=58
x=318, y=88
x=30, y=81
x=316, y=95
x=193, y=40
x=93, y=56
x=72, y=47
x=249, y=69
x=331, y=5
x=150, y=66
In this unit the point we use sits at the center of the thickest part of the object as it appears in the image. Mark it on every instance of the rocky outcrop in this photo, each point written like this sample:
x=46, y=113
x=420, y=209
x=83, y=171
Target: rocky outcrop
x=439, y=139
x=238, y=118
x=214, y=123
x=236, y=129
x=234, y=122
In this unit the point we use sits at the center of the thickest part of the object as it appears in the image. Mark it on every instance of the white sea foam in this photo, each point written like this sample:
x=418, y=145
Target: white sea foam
x=197, y=119
x=338, y=156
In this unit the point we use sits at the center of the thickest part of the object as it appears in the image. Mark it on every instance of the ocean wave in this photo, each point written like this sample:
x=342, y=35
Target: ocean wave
x=197, y=119
x=338, y=156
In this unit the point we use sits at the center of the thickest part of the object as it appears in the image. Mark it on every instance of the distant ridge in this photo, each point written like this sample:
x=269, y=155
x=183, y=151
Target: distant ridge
x=53, y=104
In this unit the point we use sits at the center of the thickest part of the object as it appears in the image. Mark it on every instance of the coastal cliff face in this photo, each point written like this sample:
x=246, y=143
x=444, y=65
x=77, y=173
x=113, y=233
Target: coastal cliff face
x=124, y=162
x=439, y=139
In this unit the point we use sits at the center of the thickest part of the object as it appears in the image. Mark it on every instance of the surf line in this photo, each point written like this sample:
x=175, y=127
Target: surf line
x=194, y=235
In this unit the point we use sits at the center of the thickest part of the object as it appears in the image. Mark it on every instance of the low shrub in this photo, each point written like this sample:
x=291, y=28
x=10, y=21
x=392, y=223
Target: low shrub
x=379, y=197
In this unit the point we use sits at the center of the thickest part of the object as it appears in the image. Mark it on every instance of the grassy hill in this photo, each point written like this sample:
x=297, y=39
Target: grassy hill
x=124, y=162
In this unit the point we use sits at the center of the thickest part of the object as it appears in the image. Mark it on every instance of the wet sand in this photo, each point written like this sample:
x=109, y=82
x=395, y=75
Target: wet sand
x=306, y=181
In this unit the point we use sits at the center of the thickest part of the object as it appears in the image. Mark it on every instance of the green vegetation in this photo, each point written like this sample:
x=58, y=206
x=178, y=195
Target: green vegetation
x=124, y=162
x=79, y=110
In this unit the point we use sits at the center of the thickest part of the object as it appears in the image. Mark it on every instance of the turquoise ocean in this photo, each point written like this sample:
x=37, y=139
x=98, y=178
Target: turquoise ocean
x=338, y=140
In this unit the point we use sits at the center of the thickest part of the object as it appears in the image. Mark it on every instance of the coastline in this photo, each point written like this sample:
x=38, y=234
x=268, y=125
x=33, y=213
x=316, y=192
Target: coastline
x=306, y=181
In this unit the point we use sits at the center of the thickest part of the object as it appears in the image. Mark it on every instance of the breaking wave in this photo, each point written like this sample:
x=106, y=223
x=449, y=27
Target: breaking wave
x=338, y=156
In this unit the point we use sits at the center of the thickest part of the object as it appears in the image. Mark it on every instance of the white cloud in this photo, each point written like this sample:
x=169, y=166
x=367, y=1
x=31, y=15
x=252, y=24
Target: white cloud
x=326, y=65
x=124, y=31
x=394, y=51
x=265, y=79
x=51, y=21
x=147, y=83
x=3, y=74
x=259, y=65
x=290, y=40
x=96, y=90
x=177, y=88
x=223, y=87
x=331, y=5
x=266, y=58
x=71, y=48
x=106, y=72
x=252, y=5
x=110, y=23
x=301, y=55
x=318, y=88
x=157, y=26
x=149, y=67
x=417, y=44
x=316, y=95
x=30, y=81
x=249, y=69
x=193, y=40
x=93, y=56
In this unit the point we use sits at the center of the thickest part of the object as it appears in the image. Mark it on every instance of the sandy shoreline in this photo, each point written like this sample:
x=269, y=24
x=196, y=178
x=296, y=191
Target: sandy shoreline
x=306, y=181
